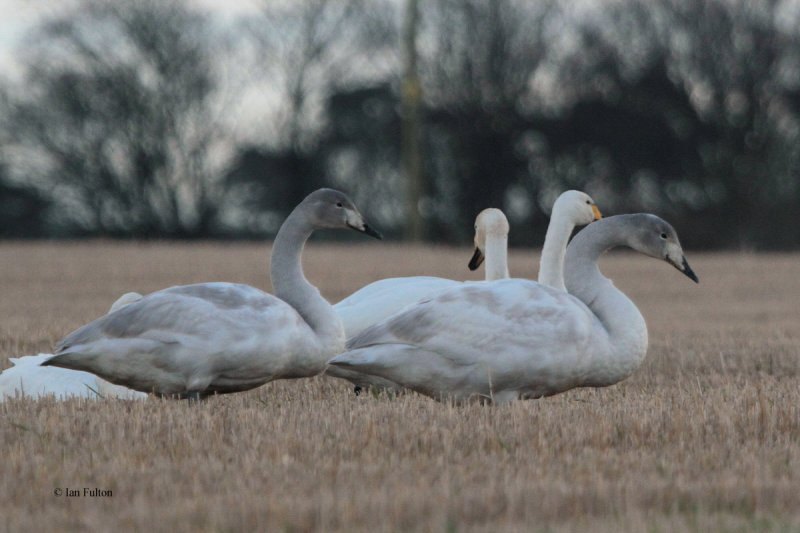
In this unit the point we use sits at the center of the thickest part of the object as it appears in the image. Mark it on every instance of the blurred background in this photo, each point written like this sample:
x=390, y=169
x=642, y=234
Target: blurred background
x=213, y=119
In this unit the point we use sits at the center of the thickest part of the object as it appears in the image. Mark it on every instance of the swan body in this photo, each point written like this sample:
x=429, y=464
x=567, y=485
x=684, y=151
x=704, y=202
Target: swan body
x=518, y=339
x=193, y=341
x=27, y=378
x=381, y=299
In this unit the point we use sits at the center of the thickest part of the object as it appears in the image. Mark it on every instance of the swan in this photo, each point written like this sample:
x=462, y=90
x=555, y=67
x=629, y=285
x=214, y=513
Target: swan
x=491, y=244
x=27, y=378
x=516, y=338
x=571, y=208
x=193, y=341
x=382, y=298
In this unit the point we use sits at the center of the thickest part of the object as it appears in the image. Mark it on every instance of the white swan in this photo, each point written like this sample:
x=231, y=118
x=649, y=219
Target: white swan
x=27, y=378
x=571, y=208
x=212, y=338
x=516, y=338
x=382, y=298
x=491, y=244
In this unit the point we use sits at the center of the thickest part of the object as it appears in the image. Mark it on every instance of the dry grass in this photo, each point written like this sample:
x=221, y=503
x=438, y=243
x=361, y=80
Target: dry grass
x=704, y=437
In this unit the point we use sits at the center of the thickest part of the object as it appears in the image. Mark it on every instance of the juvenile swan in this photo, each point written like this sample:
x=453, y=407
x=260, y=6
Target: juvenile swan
x=383, y=298
x=213, y=338
x=518, y=339
x=27, y=378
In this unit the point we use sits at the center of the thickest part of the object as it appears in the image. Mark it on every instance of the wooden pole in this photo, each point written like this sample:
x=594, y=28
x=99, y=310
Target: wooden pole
x=411, y=124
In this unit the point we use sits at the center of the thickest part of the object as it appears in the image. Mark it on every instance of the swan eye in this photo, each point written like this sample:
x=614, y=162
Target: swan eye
x=339, y=204
x=588, y=202
x=663, y=235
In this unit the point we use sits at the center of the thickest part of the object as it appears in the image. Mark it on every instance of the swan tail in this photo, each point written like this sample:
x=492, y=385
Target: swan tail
x=69, y=360
x=377, y=360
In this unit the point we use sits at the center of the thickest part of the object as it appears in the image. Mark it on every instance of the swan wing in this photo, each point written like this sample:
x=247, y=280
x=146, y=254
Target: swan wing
x=182, y=310
x=209, y=336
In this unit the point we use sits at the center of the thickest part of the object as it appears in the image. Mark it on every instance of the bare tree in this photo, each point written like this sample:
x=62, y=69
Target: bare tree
x=309, y=50
x=118, y=118
x=684, y=108
x=476, y=65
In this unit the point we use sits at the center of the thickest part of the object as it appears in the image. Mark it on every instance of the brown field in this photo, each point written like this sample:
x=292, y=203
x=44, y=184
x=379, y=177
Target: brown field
x=704, y=437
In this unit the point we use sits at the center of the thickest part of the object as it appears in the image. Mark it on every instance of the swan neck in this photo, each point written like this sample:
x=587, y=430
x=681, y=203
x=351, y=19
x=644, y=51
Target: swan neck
x=581, y=275
x=551, y=263
x=291, y=285
x=624, y=342
x=496, y=264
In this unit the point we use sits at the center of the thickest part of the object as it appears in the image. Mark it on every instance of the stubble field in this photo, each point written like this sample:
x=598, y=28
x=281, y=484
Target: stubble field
x=705, y=436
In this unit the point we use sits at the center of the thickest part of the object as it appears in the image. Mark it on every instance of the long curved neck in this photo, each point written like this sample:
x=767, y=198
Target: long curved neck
x=291, y=285
x=551, y=264
x=496, y=265
x=625, y=344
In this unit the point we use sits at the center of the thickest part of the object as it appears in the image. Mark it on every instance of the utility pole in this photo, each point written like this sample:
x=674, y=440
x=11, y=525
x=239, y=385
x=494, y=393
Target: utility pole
x=411, y=127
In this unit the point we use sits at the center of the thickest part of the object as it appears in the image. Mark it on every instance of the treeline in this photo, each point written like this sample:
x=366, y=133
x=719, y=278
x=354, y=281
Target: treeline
x=153, y=119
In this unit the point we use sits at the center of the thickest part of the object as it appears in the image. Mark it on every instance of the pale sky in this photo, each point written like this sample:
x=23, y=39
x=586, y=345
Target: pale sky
x=17, y=16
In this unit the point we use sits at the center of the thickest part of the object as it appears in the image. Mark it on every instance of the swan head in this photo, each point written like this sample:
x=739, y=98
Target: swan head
x=657, y=238
x=329, y=208
x=578, y=207
x=491, y=223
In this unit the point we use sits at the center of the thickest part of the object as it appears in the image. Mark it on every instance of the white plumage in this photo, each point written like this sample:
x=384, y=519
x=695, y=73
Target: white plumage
x=27, y=379
x=571, y=208
x=382, y=298
x=515, y=338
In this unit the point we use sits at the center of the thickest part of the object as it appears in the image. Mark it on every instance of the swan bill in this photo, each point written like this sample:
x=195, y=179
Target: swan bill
x=367, y=229
x=597, y=214
x=688, y=271
x=477, y=259
x=684, y=267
